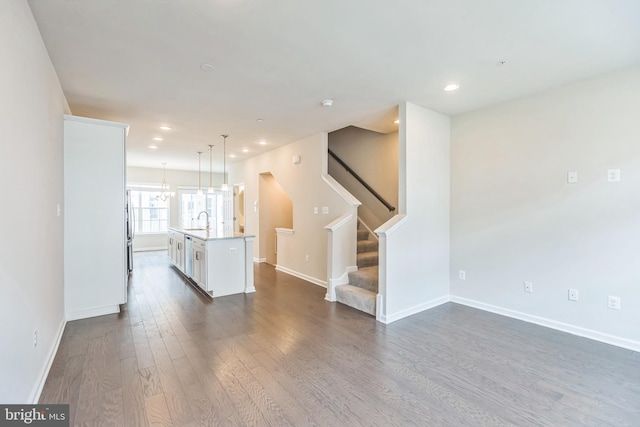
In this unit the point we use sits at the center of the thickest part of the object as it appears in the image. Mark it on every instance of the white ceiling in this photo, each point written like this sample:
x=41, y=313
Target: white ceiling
x=138, y=62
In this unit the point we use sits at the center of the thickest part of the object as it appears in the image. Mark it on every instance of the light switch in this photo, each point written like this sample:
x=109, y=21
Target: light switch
x=325, y=210
x=613, y=175
x=572, y=177
x=315, y=210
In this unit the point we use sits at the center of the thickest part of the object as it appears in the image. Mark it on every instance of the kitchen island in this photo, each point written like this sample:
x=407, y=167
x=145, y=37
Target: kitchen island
x=219, y=261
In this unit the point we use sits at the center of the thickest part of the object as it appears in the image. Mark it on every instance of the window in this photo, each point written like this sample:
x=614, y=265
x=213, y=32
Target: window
x=150, y=212
x=191, y=205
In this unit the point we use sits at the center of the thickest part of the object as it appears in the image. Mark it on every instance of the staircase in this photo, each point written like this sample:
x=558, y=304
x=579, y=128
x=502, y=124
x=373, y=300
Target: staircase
x=362, y=289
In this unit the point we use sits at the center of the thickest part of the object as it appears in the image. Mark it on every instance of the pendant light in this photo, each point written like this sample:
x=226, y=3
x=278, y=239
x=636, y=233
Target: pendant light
x=224, y=187
x=164, y=189
x=199, y=187
x=210, y=169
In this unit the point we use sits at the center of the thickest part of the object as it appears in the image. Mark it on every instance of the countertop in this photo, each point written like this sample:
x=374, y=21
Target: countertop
x=213, y=234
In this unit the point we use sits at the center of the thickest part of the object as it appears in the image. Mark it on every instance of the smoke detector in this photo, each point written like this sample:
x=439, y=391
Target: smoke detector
x=327, y=103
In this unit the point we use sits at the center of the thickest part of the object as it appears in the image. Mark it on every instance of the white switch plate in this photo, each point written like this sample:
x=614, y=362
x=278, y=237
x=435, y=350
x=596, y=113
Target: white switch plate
x=315, y=210
x=572, y=177
x=325, y=210
x=462, y=275
x=613, y=302
x=528, y=287
x=58, y=209
x=233, y=250
x=573, y=295
x=613, y=175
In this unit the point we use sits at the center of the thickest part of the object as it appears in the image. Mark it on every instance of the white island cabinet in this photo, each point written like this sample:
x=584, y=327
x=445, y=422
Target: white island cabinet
x=220, y=263
x=95, y=236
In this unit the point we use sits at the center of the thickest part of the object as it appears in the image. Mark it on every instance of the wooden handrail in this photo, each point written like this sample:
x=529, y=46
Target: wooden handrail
x=362, y=181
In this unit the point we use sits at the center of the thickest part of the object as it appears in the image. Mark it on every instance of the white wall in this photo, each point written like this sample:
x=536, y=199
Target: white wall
x=31, y=168
x=515, y=218
x=305, y=187
x=414, y=262
x=374, y=157
x=175, y=179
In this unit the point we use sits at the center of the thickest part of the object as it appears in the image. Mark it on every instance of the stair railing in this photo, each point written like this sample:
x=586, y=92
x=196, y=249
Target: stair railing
x=362, y=181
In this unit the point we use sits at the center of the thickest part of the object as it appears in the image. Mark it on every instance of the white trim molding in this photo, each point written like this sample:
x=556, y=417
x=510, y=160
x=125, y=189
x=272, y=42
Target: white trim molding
x=302, y=276
x=93, y=312
x=389, y=318
x=259, y=260
x=34, y=397
x=342, y=280
x=549, y=323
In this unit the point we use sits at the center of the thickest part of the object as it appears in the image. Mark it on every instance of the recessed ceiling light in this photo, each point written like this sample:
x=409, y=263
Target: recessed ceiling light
x=259, y=120
x=153, y=147
x=245, y=150
x=262, y=142
x=451, y=87
x=396, y=121
x=206, y=67
x=157, y=138
x=327, y=103
x=232, y=155
x=165, y=128
x=502, y=62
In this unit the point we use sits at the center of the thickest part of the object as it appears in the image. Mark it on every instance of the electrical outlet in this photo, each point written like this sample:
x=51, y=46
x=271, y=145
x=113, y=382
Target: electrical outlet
x=35, y=338
x=528, y=287
x=462, y=275
x=573, y=295
x=306, y=258
x=613, y=175
x=613, y=302
x=572, y=177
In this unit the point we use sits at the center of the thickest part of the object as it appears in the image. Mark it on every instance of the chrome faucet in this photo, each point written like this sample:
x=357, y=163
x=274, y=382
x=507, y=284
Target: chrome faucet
x=207, y=214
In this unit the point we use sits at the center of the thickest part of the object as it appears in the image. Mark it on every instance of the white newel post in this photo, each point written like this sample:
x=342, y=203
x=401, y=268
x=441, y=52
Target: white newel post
x=341, y=252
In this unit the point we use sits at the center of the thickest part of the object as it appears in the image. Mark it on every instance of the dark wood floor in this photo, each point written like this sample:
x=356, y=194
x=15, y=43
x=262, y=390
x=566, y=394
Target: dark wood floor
x=284, y=356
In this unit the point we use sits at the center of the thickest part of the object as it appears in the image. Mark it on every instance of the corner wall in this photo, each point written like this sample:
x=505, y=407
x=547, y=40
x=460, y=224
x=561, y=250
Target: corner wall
x=305, y=186
x=414, y=246
x=31, y=166
x=515, y=218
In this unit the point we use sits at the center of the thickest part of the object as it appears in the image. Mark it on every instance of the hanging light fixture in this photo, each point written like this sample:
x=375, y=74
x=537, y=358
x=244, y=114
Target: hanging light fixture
x=164, y=189
x=210, y=169
x=224, y=187
x=199, y=187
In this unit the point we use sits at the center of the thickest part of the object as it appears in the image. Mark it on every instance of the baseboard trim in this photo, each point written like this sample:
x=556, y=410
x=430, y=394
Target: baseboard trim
x=389, y=318
x=93, y=312
x=553, y=324
x=259, y=260
x=37, y=390
x=249, y=290
x=302, y=276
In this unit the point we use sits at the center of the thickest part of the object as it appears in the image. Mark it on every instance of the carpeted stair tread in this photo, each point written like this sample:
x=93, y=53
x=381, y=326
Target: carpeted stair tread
x=358, y=298
x=367, y=246
x=367, y=259
x=366, y=278
x=363, y=234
